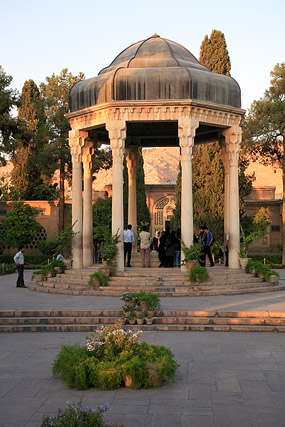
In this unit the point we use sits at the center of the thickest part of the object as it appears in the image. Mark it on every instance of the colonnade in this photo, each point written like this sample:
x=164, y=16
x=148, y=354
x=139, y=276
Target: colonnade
x=82, y=149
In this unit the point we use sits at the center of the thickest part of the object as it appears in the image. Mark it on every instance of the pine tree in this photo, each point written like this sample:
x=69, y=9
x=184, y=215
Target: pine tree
x=214, y=53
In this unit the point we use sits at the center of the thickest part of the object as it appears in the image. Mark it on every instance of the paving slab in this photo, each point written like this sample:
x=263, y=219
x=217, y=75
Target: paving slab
x=224, y=379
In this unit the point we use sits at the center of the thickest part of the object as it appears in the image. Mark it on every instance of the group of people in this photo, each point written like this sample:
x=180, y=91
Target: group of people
x=167, y=244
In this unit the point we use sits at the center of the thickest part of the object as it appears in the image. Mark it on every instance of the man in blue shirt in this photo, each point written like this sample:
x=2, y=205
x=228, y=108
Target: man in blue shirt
x=209, y=241
x=129, y=238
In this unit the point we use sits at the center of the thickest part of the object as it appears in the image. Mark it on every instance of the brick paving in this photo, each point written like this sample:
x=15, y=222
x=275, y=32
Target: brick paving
x=224, y=379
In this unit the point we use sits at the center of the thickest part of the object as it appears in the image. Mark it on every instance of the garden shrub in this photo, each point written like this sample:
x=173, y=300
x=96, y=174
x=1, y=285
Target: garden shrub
x=75, y=416
x=110, y=356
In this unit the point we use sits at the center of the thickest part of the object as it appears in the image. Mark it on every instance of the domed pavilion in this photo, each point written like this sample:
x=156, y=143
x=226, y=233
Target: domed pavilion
x=154, y=94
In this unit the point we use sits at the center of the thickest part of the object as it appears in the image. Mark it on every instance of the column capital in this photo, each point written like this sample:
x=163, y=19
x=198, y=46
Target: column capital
x=117, y=130
x=132, y=160
x=76, y=142
x=232, y=144
x=87, y=153
x=186, y=133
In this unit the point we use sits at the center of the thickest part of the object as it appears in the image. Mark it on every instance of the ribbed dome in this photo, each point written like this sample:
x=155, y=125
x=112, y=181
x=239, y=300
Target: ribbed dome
x=155, y=69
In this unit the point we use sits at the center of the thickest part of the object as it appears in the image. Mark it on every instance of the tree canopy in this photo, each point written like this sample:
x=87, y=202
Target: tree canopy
x=264, y=129
x=214, y=53
x=20, y=225
x=8, y=123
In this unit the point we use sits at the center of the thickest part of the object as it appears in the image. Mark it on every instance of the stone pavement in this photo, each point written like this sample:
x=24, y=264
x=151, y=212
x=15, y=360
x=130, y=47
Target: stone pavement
x=224, y=379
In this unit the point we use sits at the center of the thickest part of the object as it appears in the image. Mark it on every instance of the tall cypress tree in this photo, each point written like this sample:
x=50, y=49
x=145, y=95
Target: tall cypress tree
x=27, y=159
x=214, y=53
x=143, y=215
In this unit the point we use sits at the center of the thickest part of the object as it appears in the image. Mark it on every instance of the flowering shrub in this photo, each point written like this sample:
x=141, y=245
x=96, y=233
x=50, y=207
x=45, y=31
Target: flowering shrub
x=112, y=339
x=78, y=416
x=111, y=354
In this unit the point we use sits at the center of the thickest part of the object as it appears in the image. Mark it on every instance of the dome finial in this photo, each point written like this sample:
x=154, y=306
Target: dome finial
x=155, y=36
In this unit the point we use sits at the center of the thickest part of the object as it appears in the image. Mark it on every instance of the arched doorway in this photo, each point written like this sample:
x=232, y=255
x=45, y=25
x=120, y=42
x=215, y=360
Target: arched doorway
x=162, y=213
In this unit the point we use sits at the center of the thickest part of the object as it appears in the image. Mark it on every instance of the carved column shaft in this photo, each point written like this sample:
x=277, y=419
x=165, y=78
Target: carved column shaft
x=232, y=148
x=186, y=133
x=227, y=193
x=76, y=141
x=132, y=155
x=117, y=136
x=87, y=153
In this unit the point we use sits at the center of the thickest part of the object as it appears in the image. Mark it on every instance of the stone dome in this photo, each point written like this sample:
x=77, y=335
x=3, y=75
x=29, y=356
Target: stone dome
x=155, y=69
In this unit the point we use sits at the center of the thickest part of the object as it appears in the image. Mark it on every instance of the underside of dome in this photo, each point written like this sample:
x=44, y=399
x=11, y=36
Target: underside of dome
x=151, y=70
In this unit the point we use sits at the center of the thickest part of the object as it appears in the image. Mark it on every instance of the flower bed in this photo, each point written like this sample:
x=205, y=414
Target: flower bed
x=110, y=358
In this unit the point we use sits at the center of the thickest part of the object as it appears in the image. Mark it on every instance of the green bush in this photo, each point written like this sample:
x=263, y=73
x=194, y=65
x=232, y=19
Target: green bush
x=110, y=356
x=198, y=274
x=100, y=276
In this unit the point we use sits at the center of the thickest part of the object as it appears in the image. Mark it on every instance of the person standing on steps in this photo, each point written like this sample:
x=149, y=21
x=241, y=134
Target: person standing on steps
x=20, y=261
x=145, y=247
x=129, y=238
x=209, y=241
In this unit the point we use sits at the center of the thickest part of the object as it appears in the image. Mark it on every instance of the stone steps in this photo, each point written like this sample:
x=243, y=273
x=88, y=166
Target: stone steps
x=164, y=320
x=166, y=282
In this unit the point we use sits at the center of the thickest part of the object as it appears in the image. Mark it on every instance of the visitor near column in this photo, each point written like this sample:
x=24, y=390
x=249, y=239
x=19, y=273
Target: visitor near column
x=209, y=241
x=129, y=238
x=145, y=247
x=20, y=261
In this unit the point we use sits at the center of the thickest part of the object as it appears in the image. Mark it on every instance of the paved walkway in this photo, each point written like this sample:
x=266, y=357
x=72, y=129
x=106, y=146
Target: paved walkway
x=224, y=379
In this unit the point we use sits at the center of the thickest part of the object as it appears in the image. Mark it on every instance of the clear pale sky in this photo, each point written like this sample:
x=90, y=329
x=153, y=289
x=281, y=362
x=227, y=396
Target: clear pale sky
x=40, y=37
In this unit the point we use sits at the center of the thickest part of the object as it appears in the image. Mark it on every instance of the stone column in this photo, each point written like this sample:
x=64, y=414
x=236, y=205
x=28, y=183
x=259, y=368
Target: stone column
x=227, y=193
x=232, y=148
x=87, y=153
x=117, y=136
x=186, y=133
x=76, y=141
x=132, y=155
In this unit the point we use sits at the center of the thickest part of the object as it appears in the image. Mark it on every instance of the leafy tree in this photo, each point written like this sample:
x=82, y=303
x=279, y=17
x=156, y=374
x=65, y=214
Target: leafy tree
x=214, y=53
x=7, y=191
x=264, y=129
x=59, y=243
x=8, y=124
x=55, y=94
x=20, y=225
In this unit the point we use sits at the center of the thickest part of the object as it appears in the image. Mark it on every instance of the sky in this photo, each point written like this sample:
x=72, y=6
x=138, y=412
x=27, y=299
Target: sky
x=40, y=37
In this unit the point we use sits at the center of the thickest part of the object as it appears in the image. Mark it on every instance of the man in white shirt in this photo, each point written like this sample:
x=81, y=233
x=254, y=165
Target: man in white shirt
x=19, y=261
x=145, y=247
x=129, y=238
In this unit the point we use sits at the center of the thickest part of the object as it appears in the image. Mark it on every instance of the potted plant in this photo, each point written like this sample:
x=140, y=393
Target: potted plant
x=262, y=270
x=149, y=319
x=140, y=318
x=191, y=254
x=129, y=299
x=110, y=250
x=147, y=299
x=198, y=274
x=272, y=277
x=98, y=278
x=132, y=320
x=38, y=276
x=127, y=311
